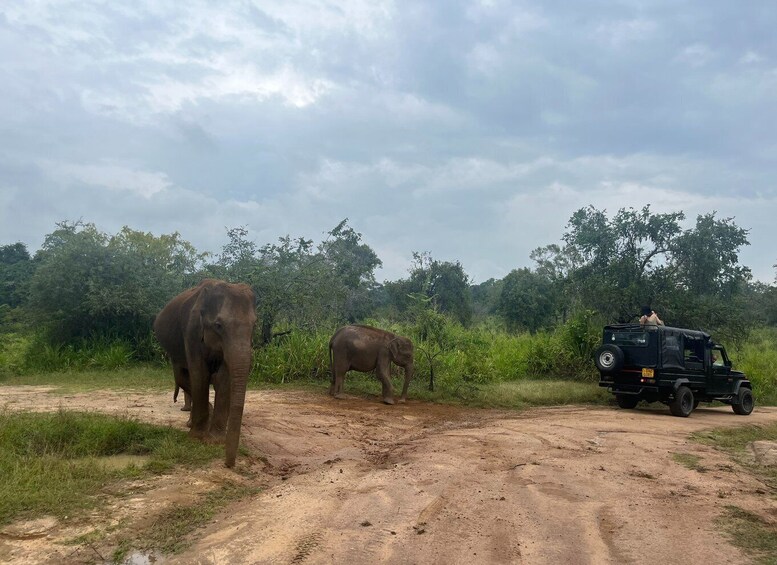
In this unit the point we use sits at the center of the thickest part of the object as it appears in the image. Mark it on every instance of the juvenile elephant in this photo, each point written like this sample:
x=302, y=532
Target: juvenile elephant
x=364, y=348
x=207, y=332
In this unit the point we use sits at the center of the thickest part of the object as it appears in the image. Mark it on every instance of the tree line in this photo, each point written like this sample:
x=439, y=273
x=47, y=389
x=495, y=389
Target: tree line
x=83, y=283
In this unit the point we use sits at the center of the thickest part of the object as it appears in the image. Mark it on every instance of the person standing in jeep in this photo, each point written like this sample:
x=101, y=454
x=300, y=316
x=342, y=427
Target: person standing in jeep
x=649, y=317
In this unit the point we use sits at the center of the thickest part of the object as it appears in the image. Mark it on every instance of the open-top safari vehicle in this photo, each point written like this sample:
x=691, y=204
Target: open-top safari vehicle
x=676, y=366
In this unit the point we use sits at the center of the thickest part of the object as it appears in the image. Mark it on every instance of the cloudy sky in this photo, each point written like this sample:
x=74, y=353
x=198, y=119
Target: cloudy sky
x=472, y=130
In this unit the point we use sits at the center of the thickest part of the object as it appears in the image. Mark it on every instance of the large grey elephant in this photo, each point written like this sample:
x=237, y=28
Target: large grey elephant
x=207, y=332
x=364, y=348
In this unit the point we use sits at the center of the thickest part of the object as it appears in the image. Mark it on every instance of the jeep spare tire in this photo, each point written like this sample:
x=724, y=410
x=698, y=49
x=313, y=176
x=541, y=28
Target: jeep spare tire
x=609, y=358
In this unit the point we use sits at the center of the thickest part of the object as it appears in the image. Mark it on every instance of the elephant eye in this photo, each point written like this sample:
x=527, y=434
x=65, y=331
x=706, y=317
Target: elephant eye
x=217, y=325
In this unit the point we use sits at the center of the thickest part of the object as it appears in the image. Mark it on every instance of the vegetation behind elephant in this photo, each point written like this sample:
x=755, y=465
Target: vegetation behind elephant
x=364, y=348
x=207, y=332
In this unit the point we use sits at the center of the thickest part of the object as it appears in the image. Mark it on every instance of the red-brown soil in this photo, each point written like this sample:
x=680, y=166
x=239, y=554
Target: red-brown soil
x=356, y=481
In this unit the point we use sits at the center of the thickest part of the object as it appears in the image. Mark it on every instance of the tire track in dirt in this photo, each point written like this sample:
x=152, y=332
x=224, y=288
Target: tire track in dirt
x=354, y=481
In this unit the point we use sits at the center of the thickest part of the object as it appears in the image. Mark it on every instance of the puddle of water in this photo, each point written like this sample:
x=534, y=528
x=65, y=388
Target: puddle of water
x=139, y=558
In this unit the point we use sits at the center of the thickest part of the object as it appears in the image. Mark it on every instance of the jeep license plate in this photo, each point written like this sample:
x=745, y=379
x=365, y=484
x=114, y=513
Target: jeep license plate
x=647, y=373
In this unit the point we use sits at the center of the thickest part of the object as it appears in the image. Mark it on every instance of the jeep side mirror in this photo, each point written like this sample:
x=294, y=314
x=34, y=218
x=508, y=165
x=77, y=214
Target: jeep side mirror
x=728, y=363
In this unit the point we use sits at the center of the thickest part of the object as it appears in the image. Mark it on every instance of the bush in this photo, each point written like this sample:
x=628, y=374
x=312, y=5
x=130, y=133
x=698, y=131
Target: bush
x=13, y=348
x=757, y=358
x=297, y=356
x=36, y=354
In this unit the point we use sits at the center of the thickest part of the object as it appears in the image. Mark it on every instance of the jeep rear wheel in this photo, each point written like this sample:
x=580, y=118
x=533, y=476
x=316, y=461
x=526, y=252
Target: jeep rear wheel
x=744, y=402
x=682, y=405
x=609, y=358
x=626, y=401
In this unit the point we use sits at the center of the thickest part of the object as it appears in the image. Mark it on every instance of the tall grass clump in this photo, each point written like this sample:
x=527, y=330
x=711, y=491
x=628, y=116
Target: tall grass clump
x=757, y=358
x=488, y=354
x=98, y=352
x=299, y=355
x=13, y=349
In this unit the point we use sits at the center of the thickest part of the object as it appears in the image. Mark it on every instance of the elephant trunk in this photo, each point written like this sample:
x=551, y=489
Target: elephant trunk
x=238, y=380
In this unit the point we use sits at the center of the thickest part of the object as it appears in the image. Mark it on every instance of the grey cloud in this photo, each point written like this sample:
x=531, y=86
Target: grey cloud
x=471, y=130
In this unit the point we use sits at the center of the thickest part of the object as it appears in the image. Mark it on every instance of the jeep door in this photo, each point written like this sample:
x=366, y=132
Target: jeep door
x=720, y=371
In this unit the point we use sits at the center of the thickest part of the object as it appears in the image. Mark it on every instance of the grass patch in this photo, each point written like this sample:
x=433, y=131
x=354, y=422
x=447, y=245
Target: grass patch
x=168, y=533
x=138, y=377
x=757, y=357
x=688, y=460
x=756, y=536
x=501, y=394
x=751, y=533
x=55, y=464
x=734, y=441
x=505, y=394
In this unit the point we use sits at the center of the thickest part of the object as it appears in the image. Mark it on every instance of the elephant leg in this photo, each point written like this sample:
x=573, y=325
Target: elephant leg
x=187, y=402
x=218, y=422
x=340, y=369
x=200, y=387
x=338, y=386
x=384, y=374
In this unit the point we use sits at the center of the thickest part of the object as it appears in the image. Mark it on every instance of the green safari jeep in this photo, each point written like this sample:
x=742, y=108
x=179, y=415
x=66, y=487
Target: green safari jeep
x=676, y=366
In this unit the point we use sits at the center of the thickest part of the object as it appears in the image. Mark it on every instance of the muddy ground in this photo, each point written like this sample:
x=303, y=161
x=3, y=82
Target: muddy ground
x=355, y=481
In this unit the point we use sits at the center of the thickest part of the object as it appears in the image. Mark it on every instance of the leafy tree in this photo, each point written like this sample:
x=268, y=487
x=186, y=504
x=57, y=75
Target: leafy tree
x=706, y=258
x=89, y=283
x=16, y=268
x=432, y=332
x=301, y=284
x=444, y=282
x=615, y=265
x=353, y=265
x=527, y=300
x=485, y=297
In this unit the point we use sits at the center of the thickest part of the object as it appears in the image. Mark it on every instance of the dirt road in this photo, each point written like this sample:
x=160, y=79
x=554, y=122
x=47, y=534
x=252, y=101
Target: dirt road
x=355, y=481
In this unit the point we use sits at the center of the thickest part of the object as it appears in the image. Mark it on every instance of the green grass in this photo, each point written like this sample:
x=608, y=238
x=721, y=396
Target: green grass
x=501, y=394
x=137, y=377
x=755, y=535
x=506, y=394
x=757, y=358
x=735, y=441
x=168, y=532
x=53, y=463
x=688, y=460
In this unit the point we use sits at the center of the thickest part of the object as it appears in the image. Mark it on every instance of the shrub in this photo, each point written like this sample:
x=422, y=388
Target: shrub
x=299, y=355
x=757, y=358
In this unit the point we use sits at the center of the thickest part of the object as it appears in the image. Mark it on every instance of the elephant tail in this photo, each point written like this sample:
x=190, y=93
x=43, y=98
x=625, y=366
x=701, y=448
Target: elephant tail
x=175, y=394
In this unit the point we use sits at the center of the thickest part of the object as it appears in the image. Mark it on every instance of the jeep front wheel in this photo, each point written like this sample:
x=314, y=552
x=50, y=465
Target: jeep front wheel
x=682, y=405
x=609, y=358
x=626, y=401
x=743, y=404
